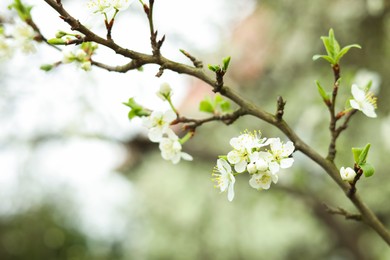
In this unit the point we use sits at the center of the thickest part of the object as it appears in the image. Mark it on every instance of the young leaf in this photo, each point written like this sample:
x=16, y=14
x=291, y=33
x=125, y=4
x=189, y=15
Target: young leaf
x=356, y=151
x=344, y=51
x=24, y=11
x=218, y=98
x=136, y=109
x=368, y=169
x=221, y=103
x=47, y=67
x=214, y=68
x=332, y=48
x=226, y=62
x=325, y=57
x=322, y=92
x=363, y=155
x=225, y=106
x=56, y=41
x=206, y=106
x=327, y=45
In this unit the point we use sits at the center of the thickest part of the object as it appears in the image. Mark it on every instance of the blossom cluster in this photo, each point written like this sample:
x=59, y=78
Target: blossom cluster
x=158, y=124
x=106, y=6
x=81, y=56
x=16, y=36
x=262, y=158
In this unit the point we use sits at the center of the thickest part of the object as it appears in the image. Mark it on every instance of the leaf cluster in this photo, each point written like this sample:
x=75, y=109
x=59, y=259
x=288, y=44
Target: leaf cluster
x=136, y=110
x=360, y=156
x=24, y=11
x=215, y=106
x=333, y=50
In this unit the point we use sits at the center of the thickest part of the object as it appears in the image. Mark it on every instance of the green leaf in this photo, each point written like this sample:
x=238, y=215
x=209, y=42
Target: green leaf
x=24, y=11
x=368, y=169
x=60, y=34
x=225, y=63
x=225, y=106
x=206, y=106
x=325, y=57
x=214, y=68
x=221, y=103
x=136, y=110
x=322, y=92
x=332, y=40
x=332, y=47
x=56, y=41
x=356, y=151
x=218, y=98
x=344, y=51
x=327, y=45
x=47, y=67
x=363, y=155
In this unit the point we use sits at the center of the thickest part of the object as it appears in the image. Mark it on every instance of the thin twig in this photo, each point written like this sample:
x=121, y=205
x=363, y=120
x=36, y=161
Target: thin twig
x=197, y=63
x=343, y=212
x=333, y=117
x=192, y=124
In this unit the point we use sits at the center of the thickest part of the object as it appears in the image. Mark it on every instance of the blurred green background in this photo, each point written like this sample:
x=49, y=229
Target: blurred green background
x=138, y=206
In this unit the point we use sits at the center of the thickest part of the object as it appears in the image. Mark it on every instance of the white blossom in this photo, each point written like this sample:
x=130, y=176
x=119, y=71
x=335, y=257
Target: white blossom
x=259, y=162
x=23, y=36
x=121, y=5
x=363, y=101
x=347, y=174
x=171, y=148
x=5, y=48
x=244, y=145
x=105, y=6
x=79, y=56
x=263, y=180
x=280, y=154
x=158, y=124
x=99, y=6
x=224, y=178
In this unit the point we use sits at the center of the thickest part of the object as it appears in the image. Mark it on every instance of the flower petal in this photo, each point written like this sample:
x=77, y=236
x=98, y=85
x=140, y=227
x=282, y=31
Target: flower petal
x=231, y=188
x=240, y=167
x=369, y=110
x=223, y=166
x=357, y=93
x=286, y=163
x=186, y=156
x=155, y=134
x=233, y=157
x=169, y=116
x=354, y=104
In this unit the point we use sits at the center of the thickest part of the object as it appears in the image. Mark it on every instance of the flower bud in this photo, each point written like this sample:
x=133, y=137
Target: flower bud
x=347, y=174
x=251, y=168
x=165, y=91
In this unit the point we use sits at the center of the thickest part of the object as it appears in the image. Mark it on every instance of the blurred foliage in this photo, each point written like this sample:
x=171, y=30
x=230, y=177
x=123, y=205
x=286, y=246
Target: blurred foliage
x=43, y=233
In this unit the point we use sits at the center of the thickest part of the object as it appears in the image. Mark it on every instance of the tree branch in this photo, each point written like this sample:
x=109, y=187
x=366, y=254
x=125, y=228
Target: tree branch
x=246, y=108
